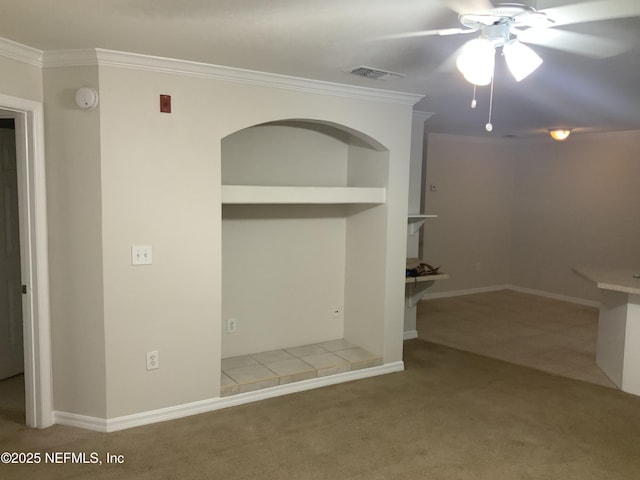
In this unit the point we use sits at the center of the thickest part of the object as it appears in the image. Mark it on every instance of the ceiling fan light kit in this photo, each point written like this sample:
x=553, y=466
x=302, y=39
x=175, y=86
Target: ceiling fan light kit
x=477, y=61
x=511, y=27
x=497, y=29
x=521, y=60
x=560, y=134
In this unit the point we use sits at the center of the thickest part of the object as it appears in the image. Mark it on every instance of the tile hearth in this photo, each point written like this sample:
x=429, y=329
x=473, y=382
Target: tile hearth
x=248, y=373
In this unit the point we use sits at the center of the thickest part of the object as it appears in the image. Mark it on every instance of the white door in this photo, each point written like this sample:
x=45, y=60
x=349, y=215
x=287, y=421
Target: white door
x=11, y=343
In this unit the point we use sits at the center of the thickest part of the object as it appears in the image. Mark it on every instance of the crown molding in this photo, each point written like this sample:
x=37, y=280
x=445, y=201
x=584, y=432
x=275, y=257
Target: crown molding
x=19, y=52
x=70, y=58
x=472, y=139
x=422, y=115
x=103, y=57
x=111, y=58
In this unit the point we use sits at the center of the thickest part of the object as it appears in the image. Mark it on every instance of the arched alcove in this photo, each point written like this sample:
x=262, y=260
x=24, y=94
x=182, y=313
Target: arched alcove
x=303, y=248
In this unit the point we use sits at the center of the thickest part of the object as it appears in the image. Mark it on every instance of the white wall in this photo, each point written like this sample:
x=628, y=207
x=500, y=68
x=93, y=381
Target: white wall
x=526, y=213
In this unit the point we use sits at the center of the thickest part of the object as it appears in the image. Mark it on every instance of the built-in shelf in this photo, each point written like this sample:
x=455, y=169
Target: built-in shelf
x=427, y=278
x=416, y=221
x=287, y=188
x=254, y=195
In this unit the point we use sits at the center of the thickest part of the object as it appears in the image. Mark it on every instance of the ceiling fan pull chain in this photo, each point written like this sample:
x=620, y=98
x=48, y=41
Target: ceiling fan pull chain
x=473, y=101
x=489, y=125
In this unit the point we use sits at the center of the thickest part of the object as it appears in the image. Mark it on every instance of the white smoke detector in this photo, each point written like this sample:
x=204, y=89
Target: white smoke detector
x=86, y=98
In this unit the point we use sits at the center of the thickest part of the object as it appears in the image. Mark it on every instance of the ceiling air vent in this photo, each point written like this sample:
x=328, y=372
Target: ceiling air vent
x=375, y=73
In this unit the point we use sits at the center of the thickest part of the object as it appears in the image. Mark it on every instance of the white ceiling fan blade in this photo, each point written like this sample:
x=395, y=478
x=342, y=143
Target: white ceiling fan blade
x=573, y=42
x=534, y=20
x=427, y=33
x=456, y=31
x=593, y=11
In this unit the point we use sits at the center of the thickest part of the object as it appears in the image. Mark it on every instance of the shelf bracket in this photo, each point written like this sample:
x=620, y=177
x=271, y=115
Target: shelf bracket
x=416, y=221
x=415, y=291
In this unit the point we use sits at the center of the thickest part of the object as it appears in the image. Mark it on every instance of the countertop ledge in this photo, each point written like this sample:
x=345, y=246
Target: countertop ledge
x=615, y=279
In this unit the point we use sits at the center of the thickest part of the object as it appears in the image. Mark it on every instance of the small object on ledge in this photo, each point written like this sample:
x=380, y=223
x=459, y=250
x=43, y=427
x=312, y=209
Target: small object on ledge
x=416, y=268
x=422, y=270
x=417, y=284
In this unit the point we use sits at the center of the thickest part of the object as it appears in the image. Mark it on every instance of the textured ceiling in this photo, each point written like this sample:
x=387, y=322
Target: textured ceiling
x=325, y=39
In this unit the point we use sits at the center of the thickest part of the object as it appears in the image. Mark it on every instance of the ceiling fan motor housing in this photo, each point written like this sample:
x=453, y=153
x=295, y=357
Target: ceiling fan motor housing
x=498, y=34
x=497, y=23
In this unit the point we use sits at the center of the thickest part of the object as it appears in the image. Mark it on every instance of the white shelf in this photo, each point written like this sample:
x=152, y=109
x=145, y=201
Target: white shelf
x=427, y=278
x=254, y=195
x=416, y=221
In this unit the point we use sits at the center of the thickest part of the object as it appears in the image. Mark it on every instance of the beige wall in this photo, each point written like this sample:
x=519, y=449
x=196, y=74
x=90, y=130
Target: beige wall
x=283, y=266
x=285, y=154
x=366, y=282
x=20, y=79
x=160, y=177
x=74, y=201
x=577, y=204
x=157, y=183
x=283, y=275
x=471, y=238
x=287, y=268
x=525, y=213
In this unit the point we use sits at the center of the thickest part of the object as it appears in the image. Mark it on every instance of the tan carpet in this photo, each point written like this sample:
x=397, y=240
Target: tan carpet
x=450, y=415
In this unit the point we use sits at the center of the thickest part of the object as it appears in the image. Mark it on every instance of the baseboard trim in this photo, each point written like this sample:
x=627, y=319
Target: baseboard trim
x=458, y=293
x=208, y=405
x=85, y=422
x=515, y=288
x=410, y=334
x=555, y=296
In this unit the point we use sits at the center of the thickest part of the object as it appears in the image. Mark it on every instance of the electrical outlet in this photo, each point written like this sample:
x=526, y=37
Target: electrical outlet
x=232, y=325
x=153, y=360
x=336, y=312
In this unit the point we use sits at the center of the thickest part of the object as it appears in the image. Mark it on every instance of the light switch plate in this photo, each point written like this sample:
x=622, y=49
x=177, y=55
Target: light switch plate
x=141, y=255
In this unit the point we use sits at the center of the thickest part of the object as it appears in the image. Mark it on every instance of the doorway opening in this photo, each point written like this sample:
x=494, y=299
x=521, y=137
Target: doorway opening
x=25, y=284
x=12, y=399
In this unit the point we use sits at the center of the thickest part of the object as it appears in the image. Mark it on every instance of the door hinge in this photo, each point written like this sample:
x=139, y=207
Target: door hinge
x=24, y=289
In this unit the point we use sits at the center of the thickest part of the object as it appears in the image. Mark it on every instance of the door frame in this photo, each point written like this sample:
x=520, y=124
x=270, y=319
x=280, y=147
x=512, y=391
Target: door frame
x=34, y=257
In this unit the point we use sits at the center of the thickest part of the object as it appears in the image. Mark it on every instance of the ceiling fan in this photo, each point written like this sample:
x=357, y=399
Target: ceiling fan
x=507, y=27
x=534, y=26
x=499, y=27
